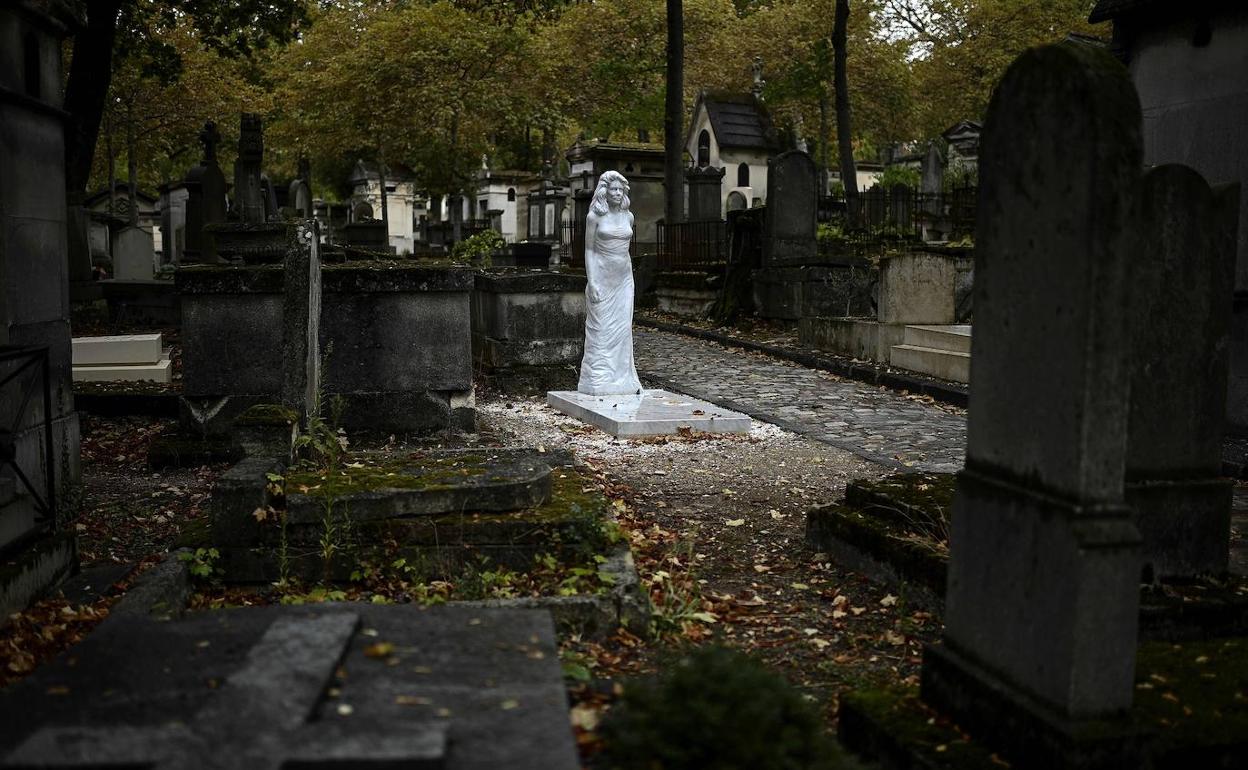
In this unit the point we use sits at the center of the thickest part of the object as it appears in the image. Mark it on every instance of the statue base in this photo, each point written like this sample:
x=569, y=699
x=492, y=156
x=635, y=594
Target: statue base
x=652, y=413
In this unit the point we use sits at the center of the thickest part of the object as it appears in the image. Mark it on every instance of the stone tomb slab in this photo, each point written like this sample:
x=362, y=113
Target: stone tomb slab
x=339, y=684
x=652, y=413
x=428, y=483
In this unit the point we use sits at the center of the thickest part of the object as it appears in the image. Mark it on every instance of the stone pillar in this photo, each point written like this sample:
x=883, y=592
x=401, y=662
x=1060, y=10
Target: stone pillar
x=301, y=322
x=1181, y=321
x=249, y=203
x=34, y=305
x=706, y=198
x=1043, y=595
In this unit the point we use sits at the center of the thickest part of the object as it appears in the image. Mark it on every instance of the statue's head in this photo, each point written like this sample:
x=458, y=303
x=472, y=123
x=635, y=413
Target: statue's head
x=610, y=184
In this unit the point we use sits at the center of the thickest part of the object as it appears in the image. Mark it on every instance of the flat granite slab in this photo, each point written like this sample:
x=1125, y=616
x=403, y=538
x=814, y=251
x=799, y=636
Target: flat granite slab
x=653, y=413
x=333, y=685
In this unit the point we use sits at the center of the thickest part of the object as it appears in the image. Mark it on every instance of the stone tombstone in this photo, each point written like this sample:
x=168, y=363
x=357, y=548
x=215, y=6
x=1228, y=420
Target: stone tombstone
x=301, y=321
x=173, y=200
x=932, y=171
x=1043, y=595
x=205, y=201
x=249, y=202
x=1183, y=267
x=705, y=186
x=917, y=288
x=900, y=197
x=134, y=257
x=792, y=208
x=737, y=201
x=300, y=198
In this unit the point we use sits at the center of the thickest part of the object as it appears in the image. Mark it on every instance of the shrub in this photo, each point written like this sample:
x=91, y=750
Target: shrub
x=719, y=708
x=479, y=248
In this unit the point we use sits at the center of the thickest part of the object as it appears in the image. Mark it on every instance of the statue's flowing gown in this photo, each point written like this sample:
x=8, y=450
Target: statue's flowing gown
x=608, y=368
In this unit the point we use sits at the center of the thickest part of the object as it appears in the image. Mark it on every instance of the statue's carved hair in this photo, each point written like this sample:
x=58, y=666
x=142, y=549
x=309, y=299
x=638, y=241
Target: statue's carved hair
x=599, y=204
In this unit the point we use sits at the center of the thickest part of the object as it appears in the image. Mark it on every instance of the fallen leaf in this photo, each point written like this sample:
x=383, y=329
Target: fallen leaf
x=734, y=522
x=379, y=650
x=888, y=601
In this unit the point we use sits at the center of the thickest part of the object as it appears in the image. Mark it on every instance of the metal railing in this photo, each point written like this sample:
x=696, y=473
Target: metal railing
x=699, y=245
x=903, y=212
x=33, y=362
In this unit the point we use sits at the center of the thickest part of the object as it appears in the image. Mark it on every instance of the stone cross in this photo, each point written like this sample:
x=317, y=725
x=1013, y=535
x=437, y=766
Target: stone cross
x=210, y=137
x=1043, y=595
x=1181, y=274
x=248, y=196
x=259, y=718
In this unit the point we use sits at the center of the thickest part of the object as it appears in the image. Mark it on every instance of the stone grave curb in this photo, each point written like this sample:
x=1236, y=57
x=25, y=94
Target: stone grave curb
x=161, y=591
x=831, y=530
x=944, y=392
x=592, y=616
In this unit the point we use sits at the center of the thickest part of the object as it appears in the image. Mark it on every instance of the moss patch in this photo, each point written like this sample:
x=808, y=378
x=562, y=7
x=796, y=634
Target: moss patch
x=415, y=472
x=1191, y=705
x=893, y=721
x=267, y=415
x=1194, y=695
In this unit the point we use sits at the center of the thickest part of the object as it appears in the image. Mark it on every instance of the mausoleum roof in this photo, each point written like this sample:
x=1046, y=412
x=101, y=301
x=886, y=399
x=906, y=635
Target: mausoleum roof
x=739, y=121
x=1110, y=9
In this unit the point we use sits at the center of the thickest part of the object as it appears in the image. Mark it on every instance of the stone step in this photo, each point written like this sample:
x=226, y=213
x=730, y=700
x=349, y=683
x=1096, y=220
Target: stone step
x=946, y=365
x=953, y=338
x=161, y=371
x=122, y=349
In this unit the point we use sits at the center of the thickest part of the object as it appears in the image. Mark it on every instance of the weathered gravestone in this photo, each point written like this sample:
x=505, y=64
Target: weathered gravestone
x=300, y=195
x=248, y=195
x=251, y=238
x=1043, y=593
x=1181, y=321
x=337, y=685
x=792, y=209
x=134, y=258
x=205, y=202
x=705, y=187
x=173, y=201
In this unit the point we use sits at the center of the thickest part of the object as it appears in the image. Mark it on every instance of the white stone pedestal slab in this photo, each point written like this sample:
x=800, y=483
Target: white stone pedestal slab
x=653, y=413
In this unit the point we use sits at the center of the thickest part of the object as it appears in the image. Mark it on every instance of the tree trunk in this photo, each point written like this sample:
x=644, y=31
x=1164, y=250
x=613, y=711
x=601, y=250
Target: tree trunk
x=132, y=169
x=673, y=114
x=823, y=141
x=90, y=73
x=844, y=134
x=112, y=167
x=385, y=201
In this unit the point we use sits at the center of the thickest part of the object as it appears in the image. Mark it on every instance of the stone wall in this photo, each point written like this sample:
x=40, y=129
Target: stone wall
x=395, y=339
x=528, y=329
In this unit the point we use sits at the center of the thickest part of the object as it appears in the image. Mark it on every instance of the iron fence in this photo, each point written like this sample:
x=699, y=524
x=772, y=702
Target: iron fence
x=698, y=245
x=24, y=370
x=903, y=212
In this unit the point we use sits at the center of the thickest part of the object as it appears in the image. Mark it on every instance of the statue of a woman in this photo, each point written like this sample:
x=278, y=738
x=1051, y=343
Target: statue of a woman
x=608, y=368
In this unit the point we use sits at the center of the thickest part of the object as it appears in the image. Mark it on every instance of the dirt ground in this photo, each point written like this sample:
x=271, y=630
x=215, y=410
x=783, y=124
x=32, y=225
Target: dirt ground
x=716, y=524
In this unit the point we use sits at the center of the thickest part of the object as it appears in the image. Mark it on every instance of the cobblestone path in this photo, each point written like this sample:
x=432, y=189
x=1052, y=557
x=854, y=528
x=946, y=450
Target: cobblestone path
x=875, y=423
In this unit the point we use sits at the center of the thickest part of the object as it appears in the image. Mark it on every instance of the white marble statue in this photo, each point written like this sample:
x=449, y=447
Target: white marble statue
x=608, y=368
